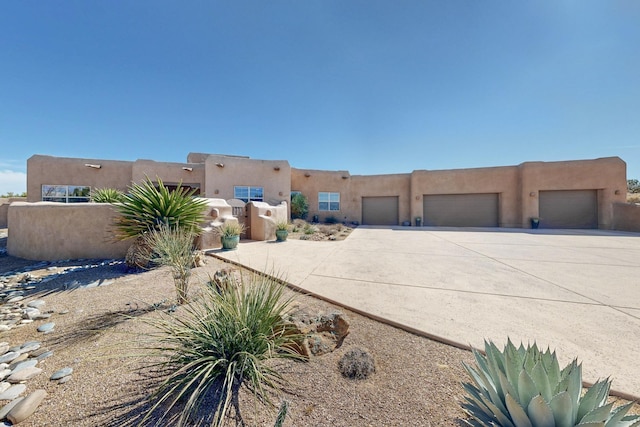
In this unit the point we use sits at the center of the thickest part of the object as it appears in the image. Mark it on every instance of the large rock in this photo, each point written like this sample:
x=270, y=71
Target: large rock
x=26, y=407
x=322, y=333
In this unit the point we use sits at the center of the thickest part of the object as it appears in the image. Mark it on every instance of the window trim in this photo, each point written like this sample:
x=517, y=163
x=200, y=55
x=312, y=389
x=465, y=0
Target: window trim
x=249, y=198
x=330, y=200
x=68, y=189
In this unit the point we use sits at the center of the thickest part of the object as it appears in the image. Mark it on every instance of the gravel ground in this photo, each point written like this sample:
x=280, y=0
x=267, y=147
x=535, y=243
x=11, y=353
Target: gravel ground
x=416, y=382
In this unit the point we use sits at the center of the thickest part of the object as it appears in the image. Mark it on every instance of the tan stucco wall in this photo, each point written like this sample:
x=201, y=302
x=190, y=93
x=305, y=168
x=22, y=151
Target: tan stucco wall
x=48, y=231
x=626, y=217
x=607, y=175
x=48, y=170
x=273, y=175
x=262, y=219
x=4, y=208
x=502, y=180
x=170, y=173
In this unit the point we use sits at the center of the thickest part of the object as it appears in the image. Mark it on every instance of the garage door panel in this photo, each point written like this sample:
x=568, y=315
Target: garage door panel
x=380, y=210
x=461, y=210
x=568, y=209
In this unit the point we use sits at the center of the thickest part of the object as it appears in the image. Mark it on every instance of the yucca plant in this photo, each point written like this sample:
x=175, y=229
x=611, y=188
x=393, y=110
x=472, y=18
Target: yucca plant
x=224, y=340
x=174, y=248
x=106, y=195
x=524, y=387
x=146, y=207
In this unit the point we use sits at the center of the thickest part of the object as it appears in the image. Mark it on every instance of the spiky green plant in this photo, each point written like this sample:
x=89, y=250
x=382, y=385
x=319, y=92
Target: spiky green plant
x=524, y=387
x=146, y=207
x=230, y=229
x=107, y=195
x=224, y=340
x=174, y=248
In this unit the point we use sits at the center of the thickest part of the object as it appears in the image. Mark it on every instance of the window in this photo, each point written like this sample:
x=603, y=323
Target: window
x=248, y=194
x=328, y=201
x=66, y=193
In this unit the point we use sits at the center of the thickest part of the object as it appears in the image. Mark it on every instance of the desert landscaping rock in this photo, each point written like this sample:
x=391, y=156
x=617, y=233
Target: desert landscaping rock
x=47, y=327
x=36, y=304
x=26, y=407
x=24, y=374
x=16, y=367
x=8, y=357
x=13, y=392
x=64, y=379
x=44, y=355
x=8, y=407
x=29, y=347
x=61, y=373
x=4, y=386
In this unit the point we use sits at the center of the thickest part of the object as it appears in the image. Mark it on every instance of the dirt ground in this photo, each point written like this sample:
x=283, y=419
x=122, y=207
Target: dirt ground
x=98, y=306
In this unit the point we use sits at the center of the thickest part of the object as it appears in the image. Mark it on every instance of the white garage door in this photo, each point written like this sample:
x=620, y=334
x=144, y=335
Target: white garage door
x=461, y=210
x=569, y=209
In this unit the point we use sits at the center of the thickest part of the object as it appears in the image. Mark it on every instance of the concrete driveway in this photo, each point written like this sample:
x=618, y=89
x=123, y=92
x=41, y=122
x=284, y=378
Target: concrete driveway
x=577, y=291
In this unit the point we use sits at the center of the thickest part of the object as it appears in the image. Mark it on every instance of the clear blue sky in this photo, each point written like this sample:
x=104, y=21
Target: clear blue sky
x=373, y=87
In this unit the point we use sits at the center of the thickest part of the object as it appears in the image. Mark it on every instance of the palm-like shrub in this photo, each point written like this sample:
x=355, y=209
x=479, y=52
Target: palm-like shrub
x=521, y=387
x=106, y=195
x=146, y=208
x=173, y=248
x=222, y=341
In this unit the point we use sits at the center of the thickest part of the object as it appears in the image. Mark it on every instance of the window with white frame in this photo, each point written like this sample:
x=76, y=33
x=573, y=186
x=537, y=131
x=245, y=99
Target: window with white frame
x=248, y=194
x=66, y=193
x=328, y=201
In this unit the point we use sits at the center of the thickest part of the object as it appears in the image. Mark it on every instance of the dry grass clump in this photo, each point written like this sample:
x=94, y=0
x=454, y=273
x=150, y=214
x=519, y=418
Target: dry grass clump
x=633, y=197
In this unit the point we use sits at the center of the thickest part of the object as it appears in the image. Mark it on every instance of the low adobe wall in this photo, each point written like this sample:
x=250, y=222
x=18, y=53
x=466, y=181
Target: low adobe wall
x=47, y=231
x=4, y=209
x=626, y=217
x=262, y=219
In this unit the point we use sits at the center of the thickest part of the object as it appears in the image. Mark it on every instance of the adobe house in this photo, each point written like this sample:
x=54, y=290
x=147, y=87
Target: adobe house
x=566, y=194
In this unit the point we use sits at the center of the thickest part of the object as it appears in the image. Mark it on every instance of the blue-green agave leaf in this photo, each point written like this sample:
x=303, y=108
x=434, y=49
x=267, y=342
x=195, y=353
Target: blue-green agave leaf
x=618, y=414
x=591, y=399
x=540, y=413
x=561, y=406
x=527, y=389
x=598, y=415
x=518, y=415
x=539, y=376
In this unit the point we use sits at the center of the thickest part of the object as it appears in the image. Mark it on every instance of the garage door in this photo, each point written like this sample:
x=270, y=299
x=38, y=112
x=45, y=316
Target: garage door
x=380, y=210
x=569, y=209
x=461, y=210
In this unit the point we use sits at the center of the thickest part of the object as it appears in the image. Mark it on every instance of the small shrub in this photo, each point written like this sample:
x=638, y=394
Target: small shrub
x=107, y=195
x=309, y=229
x=219, y=343
x=299, y=206
x=331, y=220
x=174, y=248
x=282, y=226
x=357, y=364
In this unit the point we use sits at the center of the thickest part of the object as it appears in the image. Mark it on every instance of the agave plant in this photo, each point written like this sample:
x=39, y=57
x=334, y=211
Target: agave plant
x=106, y=195
x=146, y=208
x=524, y=387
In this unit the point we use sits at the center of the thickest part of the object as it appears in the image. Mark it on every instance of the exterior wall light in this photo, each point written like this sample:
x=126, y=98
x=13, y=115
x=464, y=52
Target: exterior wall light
x=307, y=174
x=89, y=165
x=276, y=168
x=216, y=191
x=184, y=168
x=532, y=194
x=220, y=165
x=616, y=192
x=345, y=177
